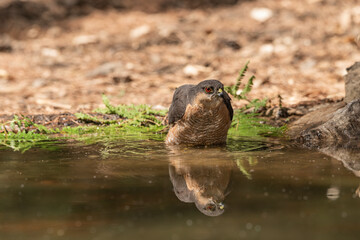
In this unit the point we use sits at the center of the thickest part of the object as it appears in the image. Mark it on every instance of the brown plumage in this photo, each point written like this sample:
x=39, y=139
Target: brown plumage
x=200, y=114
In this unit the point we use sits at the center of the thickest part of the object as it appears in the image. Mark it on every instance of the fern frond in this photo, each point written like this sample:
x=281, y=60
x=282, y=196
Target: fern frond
x=241, y=75
x=248, y=86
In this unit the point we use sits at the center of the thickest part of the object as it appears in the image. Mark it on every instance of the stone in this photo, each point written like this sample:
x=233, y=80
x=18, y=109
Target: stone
x=122, y=79
x=4, y=74
x=6, y=48
x=261, y=14
x=337, y=123
x=234, y=45
x=194, y=70
x=352, y=83
x=50, y=52
x=84, y=40
x=140, y=31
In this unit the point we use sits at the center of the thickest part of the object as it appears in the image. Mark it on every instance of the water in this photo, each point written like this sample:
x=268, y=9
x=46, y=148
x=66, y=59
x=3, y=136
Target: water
x=143, y=190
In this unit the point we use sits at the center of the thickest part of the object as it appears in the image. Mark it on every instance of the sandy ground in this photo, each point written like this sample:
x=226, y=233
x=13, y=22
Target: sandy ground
x=298, y=49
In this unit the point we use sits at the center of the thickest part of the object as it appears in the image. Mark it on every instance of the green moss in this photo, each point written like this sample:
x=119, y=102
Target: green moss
x=252, y=126
x=91, y=119
x=134, y=115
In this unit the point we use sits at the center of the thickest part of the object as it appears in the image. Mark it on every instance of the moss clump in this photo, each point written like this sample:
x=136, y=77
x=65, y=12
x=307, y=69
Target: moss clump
x=134, y=115
x=133, y=121
x=252, y=126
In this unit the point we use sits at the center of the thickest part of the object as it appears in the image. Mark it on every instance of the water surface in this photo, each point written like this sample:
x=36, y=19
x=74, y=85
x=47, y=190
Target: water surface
x=144, y=190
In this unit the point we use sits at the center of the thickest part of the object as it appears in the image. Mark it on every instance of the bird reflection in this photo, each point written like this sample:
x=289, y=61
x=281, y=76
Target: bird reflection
x=201, y=176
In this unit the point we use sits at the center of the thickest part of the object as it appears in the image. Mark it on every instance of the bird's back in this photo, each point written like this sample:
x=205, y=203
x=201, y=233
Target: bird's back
x=180, y=100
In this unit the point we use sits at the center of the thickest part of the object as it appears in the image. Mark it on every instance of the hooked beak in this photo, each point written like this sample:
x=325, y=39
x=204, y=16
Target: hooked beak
x=221, y=206
x=220, y=93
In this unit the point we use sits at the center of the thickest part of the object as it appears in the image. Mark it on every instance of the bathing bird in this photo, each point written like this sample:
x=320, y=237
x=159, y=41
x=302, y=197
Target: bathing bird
x=199, y=114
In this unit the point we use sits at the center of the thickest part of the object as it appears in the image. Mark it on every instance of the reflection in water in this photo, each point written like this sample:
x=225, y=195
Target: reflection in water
x=349, y=155
x=199, y=176
x=121, y=190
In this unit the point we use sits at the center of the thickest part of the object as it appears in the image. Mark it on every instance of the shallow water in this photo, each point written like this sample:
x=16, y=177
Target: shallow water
x=143, y=190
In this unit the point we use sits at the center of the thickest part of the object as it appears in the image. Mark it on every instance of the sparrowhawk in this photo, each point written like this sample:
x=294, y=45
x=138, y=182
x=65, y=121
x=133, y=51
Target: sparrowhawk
x=199, y=114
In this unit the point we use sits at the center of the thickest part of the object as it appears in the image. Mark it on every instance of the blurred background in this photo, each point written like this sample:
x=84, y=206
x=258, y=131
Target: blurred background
x=61, y=55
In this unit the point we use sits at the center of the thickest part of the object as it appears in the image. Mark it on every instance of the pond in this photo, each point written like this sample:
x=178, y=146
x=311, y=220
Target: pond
x=132, y=189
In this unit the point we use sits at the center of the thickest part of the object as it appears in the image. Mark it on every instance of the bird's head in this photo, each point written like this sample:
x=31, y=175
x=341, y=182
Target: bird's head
x=209, y=92
x=210, y=207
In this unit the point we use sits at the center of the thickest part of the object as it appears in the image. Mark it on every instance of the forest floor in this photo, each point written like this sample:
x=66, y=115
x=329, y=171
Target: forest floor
x=63, y=61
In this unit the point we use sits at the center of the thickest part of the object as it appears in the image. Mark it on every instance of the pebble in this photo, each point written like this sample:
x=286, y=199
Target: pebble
x=85, y=39
x=39, y=82
x=122, y=79
x=194, y=70
x=4, y=75
x=234, y=45
x=50, y=52
x=7, y=48
x=140, y=31
x=261, y=14
x=191, y=70
x=266, y=49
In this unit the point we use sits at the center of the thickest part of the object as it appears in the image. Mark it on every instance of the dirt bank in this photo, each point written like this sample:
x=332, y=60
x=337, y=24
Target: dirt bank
x=298, y=49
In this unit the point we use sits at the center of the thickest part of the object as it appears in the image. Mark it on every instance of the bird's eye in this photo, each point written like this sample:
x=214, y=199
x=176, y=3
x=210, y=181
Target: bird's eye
x=210, y=207
x=209, y=89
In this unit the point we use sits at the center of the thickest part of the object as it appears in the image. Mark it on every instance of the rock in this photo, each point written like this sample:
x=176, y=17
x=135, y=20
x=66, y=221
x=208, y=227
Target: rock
x=352, y=83
x=261, y=14
x=50, y=52
x=331, y=124
x=140, y=31
x=191, y=70
x=266, y=49
x=122, y=79
x=234, y=45
x=105, y=69
x=39, y=82
x=7, y=48
x=4, y=75
x=345, y=19
x=194, y=70
x=85, y=39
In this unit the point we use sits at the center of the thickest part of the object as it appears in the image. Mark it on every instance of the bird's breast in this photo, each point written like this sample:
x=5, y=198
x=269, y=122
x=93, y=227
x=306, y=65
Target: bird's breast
x=202, y=124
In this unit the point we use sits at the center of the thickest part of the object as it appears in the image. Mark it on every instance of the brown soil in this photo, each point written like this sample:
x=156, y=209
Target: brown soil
x=64, y=59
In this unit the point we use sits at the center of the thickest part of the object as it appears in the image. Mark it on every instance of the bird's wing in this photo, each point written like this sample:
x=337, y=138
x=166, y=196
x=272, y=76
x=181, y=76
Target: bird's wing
x=179, y=103
x=227, y=100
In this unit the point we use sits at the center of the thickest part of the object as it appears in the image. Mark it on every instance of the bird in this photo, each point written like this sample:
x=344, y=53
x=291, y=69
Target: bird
x=199, y=114
x=201, y=177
